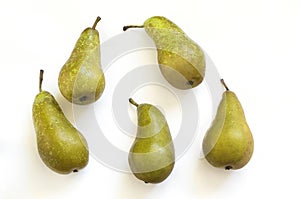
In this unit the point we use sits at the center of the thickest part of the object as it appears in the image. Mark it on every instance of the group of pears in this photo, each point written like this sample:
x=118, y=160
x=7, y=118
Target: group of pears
x=227, y=144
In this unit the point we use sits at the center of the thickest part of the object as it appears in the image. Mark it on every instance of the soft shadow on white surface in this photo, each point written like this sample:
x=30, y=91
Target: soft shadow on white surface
x=208, y=180
x=131, y=187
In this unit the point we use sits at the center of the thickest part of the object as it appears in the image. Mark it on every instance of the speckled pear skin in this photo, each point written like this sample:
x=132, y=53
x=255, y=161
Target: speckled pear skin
x=61, y=146
x=81, y=79
x=181, y=60
x=152, y=154
x=228, y=143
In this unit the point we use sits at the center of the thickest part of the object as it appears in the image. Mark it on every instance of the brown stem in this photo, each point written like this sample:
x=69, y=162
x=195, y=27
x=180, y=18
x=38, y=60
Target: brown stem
x=41, y=80
x=133, y=102
x=224, y=84
x=132, y=26
x=96, y=22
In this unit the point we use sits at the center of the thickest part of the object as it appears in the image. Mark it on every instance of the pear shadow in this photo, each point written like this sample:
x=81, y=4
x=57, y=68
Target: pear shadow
x=37, y=179
x=131, y=187
x=208, y=179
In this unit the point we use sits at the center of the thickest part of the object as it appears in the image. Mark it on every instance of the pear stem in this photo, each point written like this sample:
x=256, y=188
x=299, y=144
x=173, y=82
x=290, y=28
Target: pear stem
x=96, y=22
x=224, y=84
x=41, y=80
x=133, y=102
x=132, y=26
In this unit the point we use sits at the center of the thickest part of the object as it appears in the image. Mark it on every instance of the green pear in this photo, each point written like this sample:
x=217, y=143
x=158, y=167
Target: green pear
x=152, y=154
x=181, y=60
x=60, y=145
x=81, y=79
x=228, y=143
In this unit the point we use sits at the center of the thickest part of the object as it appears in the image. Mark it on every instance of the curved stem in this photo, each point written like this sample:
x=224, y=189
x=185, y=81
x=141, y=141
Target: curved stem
x=41, y=80
x=224, y=84
x=96, y=22
x=133, y=102
x=132, y=26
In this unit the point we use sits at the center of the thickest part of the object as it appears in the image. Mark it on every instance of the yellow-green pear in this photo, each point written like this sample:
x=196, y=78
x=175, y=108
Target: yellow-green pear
x=60, y=145
x=228, y=143
x=181, y=60
x=152, y=155
x=81, y=79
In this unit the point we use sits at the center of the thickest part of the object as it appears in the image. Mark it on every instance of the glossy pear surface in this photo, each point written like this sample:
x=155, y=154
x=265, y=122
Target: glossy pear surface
x=60, y=145
x=181, y=60
x=81, y=79
x=152, y=154
x=228, y=143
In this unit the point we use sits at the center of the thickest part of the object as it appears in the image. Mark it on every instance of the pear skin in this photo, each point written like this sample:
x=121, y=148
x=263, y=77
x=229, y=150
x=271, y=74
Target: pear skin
x=228, y=143
x=60, y=145
x=181, y=60
x=152, y=155
x=81, y=79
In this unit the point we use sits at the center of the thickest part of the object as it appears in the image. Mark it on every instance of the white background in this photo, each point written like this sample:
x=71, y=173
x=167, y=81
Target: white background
x=254, y=44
